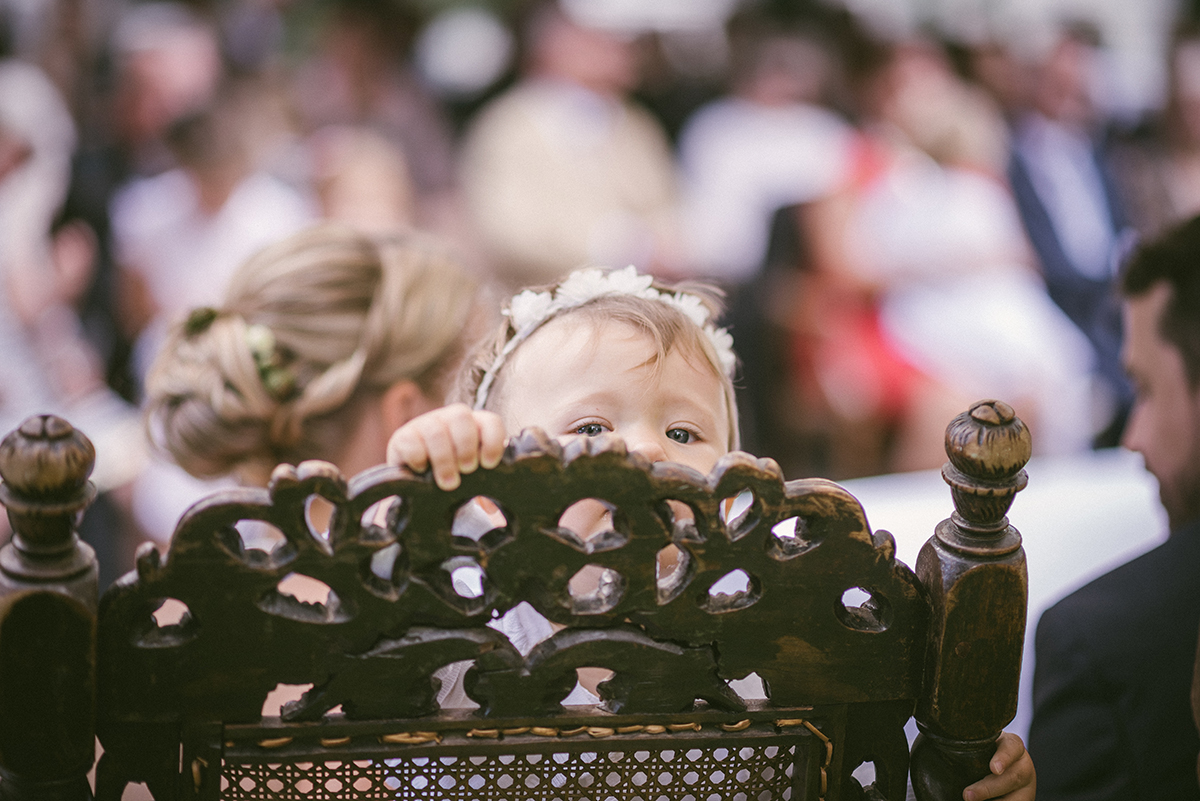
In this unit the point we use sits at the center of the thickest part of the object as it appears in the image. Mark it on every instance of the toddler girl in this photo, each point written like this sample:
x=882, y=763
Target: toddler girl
x=599, y=353
x=612, y=353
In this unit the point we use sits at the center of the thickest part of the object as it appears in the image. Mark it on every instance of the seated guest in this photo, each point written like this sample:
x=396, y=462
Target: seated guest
x=563, y=169
x=326, y=342
x=1115, y=659
x=1069, y=204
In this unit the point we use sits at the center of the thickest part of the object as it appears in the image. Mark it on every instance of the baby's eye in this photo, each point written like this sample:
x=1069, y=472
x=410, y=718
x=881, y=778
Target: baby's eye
x=590, y=429
x=681, y=435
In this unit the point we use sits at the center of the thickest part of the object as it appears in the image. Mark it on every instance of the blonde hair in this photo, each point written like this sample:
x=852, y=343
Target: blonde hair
x=347, y=315
x=666, y=326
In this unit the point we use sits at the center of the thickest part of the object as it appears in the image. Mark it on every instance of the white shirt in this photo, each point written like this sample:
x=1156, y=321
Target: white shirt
x=187, y=256
x=1062, y=168
x=741, y=161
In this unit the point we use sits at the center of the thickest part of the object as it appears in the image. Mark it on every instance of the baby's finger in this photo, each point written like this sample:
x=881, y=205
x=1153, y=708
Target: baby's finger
x=405, y=447
x=1012, y=770
x=1015, y=784
x=463, y=431
x=443, y=456
x=1009, y=749
x=491, y=438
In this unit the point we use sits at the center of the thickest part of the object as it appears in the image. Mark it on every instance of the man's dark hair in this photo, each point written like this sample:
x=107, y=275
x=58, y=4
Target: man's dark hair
x=1174, y=258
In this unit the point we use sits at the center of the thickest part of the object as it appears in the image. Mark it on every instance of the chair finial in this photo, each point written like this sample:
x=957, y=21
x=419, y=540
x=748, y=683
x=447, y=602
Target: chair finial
x=974, y=568
x=48, y=608
x=988, y=446
x=45, y=464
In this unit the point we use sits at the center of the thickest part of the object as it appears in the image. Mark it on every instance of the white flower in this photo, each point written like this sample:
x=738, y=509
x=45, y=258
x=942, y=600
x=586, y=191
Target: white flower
x=530, y=309
x=583, y=286
x=261, y=341
x=629, y=282
x=722, y=342
x=691, y=306
x=579, y=287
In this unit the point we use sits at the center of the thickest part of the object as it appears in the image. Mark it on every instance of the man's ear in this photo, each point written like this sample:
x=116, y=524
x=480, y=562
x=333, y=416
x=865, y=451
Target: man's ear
x=403, y=401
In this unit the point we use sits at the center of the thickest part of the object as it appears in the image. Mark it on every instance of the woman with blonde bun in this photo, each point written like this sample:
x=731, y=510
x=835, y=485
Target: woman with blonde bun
x=326, y=343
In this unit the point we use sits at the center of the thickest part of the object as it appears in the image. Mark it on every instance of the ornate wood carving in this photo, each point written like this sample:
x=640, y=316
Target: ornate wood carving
x=48, y=597
x=972, y=566
x=373, y=646
x=678, y=583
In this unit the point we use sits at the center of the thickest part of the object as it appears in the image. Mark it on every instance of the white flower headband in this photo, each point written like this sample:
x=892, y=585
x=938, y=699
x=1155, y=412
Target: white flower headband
x=529, y=310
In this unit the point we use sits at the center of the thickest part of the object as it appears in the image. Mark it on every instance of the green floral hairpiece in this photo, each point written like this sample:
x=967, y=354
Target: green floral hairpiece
x=199, y=319
x=278, y=380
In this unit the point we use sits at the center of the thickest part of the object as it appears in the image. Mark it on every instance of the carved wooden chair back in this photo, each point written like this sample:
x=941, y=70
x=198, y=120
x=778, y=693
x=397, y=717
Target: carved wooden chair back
x=686, y=587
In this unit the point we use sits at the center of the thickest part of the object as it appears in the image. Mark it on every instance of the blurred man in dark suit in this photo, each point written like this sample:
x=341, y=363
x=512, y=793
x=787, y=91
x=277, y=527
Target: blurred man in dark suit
x=1068, y=200
x=1112, y=718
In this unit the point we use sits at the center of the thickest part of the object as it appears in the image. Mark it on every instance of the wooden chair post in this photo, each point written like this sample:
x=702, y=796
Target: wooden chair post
x=974, y=570
x=48, y=611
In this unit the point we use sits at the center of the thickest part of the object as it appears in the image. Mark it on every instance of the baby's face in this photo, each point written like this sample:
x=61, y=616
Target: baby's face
x=579, y=377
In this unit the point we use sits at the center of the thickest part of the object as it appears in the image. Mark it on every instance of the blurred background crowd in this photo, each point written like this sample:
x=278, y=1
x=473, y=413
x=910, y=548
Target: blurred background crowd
x=909, y=206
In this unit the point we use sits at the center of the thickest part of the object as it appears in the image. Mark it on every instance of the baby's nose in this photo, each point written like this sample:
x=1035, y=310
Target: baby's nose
x=648, y=447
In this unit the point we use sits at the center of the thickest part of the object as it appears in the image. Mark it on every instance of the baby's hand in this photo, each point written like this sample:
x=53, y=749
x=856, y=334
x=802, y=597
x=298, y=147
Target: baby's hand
x=1013, y=777
x=451, y=441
